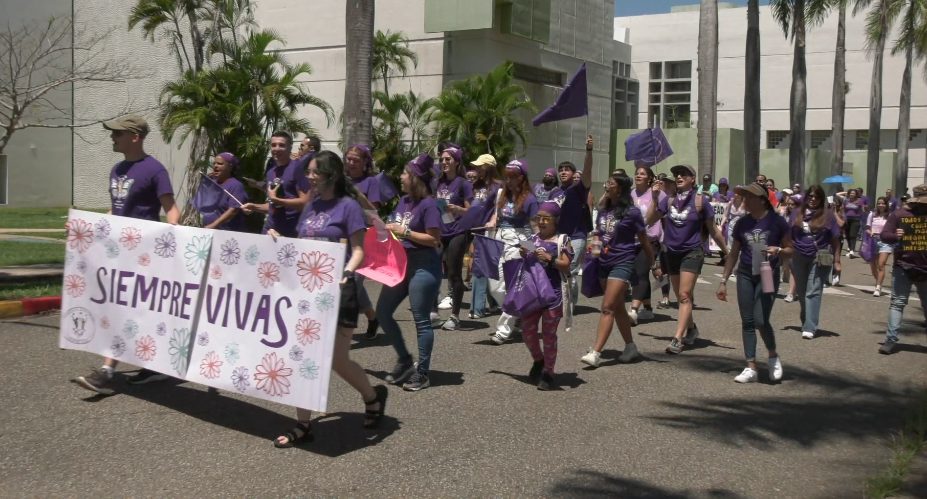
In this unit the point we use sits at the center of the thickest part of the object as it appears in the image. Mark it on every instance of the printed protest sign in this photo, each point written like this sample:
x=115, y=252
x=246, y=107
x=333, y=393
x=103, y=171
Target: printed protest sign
x=718, y=213
x=915, y=233
x=269, y=317
x=131, y=289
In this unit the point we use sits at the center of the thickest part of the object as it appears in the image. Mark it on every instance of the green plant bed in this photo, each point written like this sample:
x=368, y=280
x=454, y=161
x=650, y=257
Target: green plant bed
x=30, y=253
x=36, y=218
x=44, y=235
x=31, y=289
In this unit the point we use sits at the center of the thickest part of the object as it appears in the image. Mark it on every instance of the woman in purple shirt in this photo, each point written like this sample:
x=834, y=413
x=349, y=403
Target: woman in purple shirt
x=816, y=238
x=454, y=194
x=620, y=227
x=686, y=216
x=416, y=220
x=225, y=213
x=641, y=290
x=760, y=235
x=853, y=209
x=334, y=215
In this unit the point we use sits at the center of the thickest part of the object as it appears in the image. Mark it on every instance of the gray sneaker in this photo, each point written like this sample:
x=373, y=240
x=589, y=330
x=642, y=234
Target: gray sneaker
x=417, y=382
x=888, y=347
x=400, y=372
x=675, y=346
x=99, y=380
x=691, y=335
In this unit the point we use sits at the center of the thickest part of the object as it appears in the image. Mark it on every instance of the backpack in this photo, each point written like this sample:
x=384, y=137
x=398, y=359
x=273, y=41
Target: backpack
x=699, y=207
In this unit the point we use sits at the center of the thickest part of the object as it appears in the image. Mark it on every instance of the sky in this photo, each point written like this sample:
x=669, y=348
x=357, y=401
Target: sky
x=639, y=7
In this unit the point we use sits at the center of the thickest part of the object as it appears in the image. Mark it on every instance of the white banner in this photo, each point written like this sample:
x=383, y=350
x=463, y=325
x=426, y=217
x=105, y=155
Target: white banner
x=252, y=315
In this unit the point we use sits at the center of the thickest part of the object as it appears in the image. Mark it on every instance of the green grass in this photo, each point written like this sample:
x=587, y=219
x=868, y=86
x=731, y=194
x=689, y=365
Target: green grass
x=906, y=445
x=48, y=235
x=35, y=218
x=32, y=289
x=23, y=253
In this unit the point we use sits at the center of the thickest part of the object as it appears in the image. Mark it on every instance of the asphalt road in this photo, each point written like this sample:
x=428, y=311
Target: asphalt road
x=669, y=426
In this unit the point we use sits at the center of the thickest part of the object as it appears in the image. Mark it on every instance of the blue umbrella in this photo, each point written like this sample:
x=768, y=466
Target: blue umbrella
x=838, y=179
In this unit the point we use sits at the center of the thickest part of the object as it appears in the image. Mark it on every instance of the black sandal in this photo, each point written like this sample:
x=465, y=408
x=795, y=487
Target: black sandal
x=301, y=433
x=372, y=417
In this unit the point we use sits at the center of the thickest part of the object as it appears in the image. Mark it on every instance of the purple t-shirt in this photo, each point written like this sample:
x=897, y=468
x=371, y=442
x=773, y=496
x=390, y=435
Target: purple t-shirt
x=619, y=236
x=541, y=192
x=510, y=217
x=215, y=210
x=643, y=202
x=552, y=273
x=571, y=199
x=455, y=192
x=806, y=242
x=293, y=178
x=331, y=219
x=418, y=216
x=683, y=222
x=718, y=197
x=484, y=201
x=136, y=187
x=369, y=187
x=753, y=233
x=852, y=209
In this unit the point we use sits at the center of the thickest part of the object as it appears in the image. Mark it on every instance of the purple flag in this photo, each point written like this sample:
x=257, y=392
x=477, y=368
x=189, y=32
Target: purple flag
x=571, y=102
x=387, y=189
x=208, y=195
x=486, y=254
x=647, y=147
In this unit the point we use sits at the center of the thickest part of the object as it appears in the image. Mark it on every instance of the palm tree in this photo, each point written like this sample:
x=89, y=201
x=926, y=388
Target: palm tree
x=839, y=95
x=391, y=54
x=707, y=85
x=358, y=105
x=173, y=18
x=912, y=39
x=752, y=92
x=878, y=28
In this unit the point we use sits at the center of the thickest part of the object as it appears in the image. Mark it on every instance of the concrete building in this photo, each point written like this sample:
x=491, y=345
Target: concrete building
x=664, y=60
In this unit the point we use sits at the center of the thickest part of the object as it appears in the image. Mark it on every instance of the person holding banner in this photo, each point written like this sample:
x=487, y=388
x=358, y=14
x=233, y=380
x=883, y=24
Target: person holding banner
x=335, y=215
x=760, y=240
x=685, y=216
x=486, y=188
x=641, y=291
x=454, y=195
x=139, y=187
x=623, y=237
x=287, y=187
x=417, y=221
x=224, y=212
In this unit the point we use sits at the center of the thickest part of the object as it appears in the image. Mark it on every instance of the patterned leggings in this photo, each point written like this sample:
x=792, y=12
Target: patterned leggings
x=550, y=320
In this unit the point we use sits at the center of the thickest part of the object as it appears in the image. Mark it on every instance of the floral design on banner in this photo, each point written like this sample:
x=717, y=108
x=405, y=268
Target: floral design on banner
x=230, y=253
x=215, y=272
x=74, y=285
x=104, y=322
x=166, y=245
x=101, y=229
x=241, y=379
x=112, y=249
x=161, y=329
x=211, y=366
x=304, y=307
x=296, y=353
x=315, y=270
x=81, y=266
x=202, y=339
x=118, y=346
x=272, y=376
x=196, y=253
x=252, y=254
x=307, y=331
x=130, y=329
x=180, y=350
x=145, y=348
x=309, y=369
x=144, y=259
x=268, y=273
x=287, y=255
x=80, y=235
x=325, y=302
x=130, y=238
x=231, y=353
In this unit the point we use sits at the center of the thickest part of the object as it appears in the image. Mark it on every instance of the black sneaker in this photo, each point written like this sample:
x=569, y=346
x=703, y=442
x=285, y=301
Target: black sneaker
x=372, y=327
x=99, y=380
x=146, y=376
x=675, y=347
x=546, y=382
x=534, y=375
x=888, y=347
x=400, y=372
x=417, y=382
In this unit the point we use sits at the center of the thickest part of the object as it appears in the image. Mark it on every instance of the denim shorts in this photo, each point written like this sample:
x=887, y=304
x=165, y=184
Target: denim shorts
x=689, y=261
x=622, y=271
x=885, y=247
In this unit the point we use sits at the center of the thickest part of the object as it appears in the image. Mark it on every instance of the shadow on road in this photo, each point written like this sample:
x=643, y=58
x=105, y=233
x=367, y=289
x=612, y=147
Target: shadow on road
x=586, y=483
x=568, y=380
x=437, y=378
x=699, y=344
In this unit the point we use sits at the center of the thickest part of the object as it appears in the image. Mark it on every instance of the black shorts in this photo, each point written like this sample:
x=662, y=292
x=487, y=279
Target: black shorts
x=688, y=261
x=348, y=309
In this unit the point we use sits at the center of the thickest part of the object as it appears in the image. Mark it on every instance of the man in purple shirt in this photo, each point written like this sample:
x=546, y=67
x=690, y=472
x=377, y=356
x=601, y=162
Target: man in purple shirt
x=287, y=187
x=571, y=196
x=139, y=188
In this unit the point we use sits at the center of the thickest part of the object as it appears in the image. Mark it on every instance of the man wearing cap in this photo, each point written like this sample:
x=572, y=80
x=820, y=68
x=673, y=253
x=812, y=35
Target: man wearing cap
x=139, y=187
x=547, y=184
x=708, y=188
x=287, y=187
x=910, y=267
x=575, y=220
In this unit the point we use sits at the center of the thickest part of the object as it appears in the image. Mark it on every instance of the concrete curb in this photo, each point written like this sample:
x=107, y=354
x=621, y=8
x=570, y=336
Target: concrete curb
x=28, y=306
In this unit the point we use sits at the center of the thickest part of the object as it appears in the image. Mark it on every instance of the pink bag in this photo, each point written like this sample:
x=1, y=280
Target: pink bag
x=384, y=261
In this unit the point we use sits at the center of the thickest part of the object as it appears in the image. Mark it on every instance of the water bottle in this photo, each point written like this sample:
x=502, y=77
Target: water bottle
x=766, y=276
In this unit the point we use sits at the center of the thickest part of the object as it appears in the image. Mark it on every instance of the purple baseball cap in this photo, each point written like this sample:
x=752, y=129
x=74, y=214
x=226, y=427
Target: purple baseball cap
x=722, y=180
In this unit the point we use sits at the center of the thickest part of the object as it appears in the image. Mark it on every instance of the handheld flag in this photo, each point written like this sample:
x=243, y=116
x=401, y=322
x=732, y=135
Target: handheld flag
x=571, y=103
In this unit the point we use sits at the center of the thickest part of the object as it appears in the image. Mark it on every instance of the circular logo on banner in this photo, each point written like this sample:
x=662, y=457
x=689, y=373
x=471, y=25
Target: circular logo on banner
x=79, y=326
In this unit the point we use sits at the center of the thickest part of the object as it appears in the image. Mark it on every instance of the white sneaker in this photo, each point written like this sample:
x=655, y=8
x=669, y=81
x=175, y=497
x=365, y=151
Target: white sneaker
x=451, y=324
x=632, y=314
x=789, y=298
x=592, y=358
x=836, y=280
x=434, y=316
x=629, y=354
x=808, y=335
x=645, y=315
x=878, y=291
x=775, y=368
x=747, y=376
x=499, y=338
x=446, y=304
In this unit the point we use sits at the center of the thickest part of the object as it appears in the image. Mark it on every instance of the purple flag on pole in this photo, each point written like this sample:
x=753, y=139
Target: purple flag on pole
x=486, y=254
x=571, y=103
x=387, y=189
x=647, y=147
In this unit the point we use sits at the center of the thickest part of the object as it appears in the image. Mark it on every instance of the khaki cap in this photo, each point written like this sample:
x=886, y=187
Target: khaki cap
x=130, y=123
x=484, y=159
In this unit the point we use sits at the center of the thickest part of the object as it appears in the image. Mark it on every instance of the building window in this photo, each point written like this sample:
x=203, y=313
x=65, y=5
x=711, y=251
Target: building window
x=862, y=140
x=776, y=139
x=526, y=18
x=669, y=97
x=537, y=75
x=819, y=137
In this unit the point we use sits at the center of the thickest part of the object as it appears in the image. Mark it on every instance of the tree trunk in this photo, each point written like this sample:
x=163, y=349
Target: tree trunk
x=875, y=105
x=904, y=124
x=799, y=98
x=358, y=106
x=839, y=97
x=707, y=86
x=752, y=93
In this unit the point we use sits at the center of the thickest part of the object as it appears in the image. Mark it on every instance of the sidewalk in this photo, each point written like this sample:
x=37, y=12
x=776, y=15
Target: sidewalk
x=29, y=306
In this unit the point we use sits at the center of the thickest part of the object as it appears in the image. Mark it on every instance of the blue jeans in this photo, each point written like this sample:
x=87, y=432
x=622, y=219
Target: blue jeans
x=423, y=277
x=901, y=289
x=481, y=297
x=755, y=308
x=809, y=289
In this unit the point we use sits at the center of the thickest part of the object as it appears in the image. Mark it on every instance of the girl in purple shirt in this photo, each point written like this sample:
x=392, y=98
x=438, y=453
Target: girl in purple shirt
x=455, y=194
x=334, y=215
x=853, y=209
